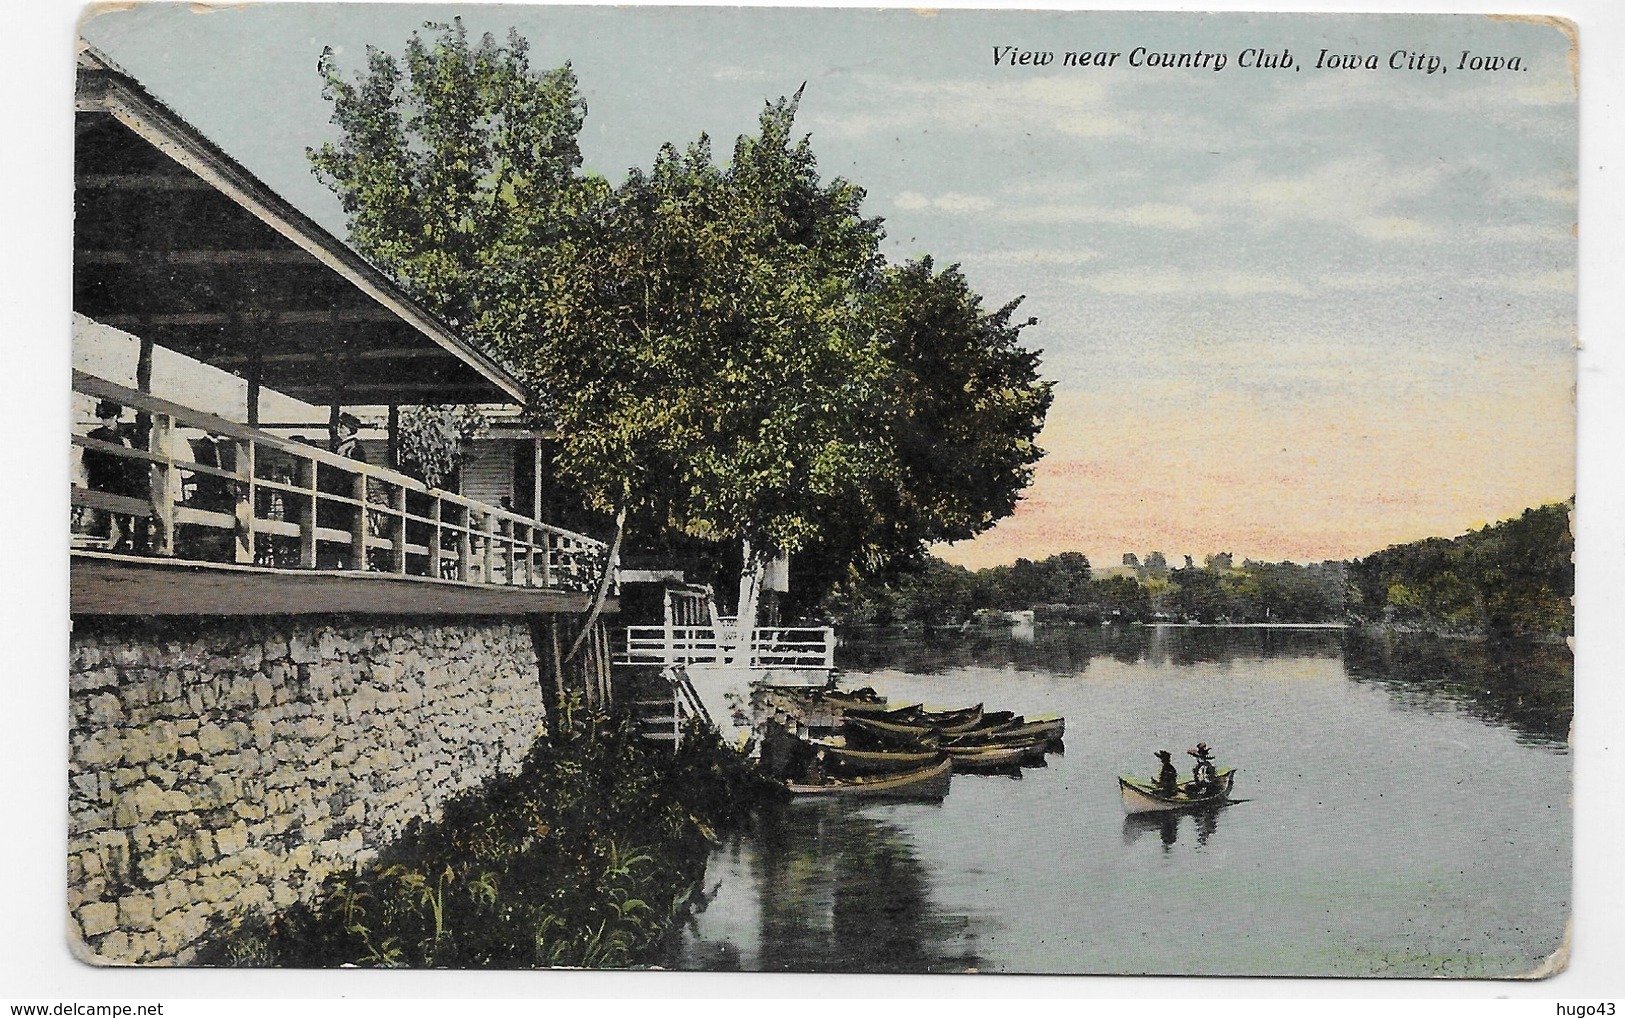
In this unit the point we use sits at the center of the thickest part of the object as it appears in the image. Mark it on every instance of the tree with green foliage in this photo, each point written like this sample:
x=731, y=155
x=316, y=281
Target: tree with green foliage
x=722, y=349
x=457, y=168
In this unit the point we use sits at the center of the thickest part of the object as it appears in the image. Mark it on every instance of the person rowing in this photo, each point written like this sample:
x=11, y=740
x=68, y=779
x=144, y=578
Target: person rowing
x=1204, y=776
x=1168, y=776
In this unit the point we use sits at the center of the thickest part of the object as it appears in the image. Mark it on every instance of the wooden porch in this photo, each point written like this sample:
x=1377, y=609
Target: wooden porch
x=228, y=519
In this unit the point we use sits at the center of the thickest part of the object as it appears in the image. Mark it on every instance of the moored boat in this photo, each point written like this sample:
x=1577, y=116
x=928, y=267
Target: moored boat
x=886, y=733
x=928, y=783
x=1025, y=732
x=844, y=759
x=1143, y=797
x=906, y=714
x=976, y=761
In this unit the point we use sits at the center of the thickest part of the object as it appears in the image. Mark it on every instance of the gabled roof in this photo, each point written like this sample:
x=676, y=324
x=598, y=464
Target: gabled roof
x=176, y=242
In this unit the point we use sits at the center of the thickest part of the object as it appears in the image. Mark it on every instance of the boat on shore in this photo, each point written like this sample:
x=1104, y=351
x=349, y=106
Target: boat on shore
x=1143, y=797
x=927, y=783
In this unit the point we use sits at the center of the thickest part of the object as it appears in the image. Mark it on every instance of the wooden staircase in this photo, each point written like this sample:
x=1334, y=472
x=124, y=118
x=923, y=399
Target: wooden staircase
x=662, y=701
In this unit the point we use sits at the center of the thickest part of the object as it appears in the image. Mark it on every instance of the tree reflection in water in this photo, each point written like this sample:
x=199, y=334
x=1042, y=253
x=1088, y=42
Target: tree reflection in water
x=1528, y=687
x=841, y=890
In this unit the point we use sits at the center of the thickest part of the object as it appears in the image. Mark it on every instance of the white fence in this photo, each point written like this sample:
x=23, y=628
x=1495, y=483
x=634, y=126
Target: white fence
x=767, y=648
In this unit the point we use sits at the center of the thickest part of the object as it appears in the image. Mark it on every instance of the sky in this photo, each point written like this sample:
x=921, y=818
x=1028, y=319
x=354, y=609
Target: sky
x=1291, y=312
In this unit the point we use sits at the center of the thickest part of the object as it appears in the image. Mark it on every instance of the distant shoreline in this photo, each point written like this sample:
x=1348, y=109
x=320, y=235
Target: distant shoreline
x=1249, y=625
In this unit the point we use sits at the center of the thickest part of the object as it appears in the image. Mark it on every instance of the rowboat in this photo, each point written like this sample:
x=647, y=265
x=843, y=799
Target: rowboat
x=1143, y=797
x=844, y=759
x=885, y=733
x=950, y=721
x=976, y=761
x=866, y=696
x=1037, y=731
x=897, y=715
x=929, y=783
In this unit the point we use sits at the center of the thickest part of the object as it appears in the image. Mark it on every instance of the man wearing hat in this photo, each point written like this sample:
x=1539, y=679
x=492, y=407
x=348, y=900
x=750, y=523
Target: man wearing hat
x=1204, y=776
x=1168, y=776
x=116, y=475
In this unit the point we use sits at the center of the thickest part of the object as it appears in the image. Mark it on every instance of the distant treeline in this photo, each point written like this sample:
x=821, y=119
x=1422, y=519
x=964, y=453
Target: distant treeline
x=1513, y=578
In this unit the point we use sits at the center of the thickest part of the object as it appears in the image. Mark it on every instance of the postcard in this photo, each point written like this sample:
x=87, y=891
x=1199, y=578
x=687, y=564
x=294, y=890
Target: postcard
x=823, y=490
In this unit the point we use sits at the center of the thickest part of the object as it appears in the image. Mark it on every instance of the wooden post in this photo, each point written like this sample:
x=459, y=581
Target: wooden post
x=547, y=558
x=394, y=453
x=397, y=561
x=435, y=550
x=464, y=551
x=488, y=526
x=256, y=368
x=359, y=536
x=536, y=479
x=308, y=503
x=247, y=500
x=162, y=481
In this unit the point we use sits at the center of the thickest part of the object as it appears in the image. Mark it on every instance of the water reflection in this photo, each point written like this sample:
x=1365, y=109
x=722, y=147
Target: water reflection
x=1068, y=650
x=835, y=889
x=1166, y=825
x=1524, y=686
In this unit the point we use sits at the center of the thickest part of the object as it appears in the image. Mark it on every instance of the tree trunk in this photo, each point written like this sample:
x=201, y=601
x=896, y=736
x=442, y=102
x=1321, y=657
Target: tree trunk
x=752, y=572
x=603, y=585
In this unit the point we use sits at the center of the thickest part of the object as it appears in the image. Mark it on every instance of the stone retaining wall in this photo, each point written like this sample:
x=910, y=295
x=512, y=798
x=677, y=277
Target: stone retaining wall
x=221, y=763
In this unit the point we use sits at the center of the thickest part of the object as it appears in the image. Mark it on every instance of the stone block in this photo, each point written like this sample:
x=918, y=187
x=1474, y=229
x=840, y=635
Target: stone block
x=253, y=896
x=116, y=947
x=275, y=647
x=96, y=750
x=213, y=739
x=98, y=918
x=250, y=656
x=283, y=894
x=171, y=931
x=169, y=896
x=92, y=679
x=232, y=840
x=135, y=914
x=303, y=649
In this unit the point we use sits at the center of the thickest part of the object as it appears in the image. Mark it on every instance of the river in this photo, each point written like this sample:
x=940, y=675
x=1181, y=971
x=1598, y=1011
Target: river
x=1406, y=813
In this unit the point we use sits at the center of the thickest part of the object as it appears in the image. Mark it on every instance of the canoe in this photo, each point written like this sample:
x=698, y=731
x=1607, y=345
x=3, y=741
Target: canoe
x=885, y=733
x=844, y=759
x=950, y=720
x=981, y=760
x=896, y=715
x=866, y=696
x=926, y=783
x=1041, y=730
x=1143, y=797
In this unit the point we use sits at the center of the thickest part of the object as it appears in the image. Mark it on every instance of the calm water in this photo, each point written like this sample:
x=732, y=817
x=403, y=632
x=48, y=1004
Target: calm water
x=1406, y=814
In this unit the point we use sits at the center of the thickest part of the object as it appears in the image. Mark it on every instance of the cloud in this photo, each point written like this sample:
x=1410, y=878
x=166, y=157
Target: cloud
x=1174, y=282
x=1146, y=215
x=1070, y=106
x=951, y=201
x=1362, y=194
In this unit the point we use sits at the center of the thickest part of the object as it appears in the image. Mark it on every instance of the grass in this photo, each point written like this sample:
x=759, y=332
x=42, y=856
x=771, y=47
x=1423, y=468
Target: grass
x=588, y=857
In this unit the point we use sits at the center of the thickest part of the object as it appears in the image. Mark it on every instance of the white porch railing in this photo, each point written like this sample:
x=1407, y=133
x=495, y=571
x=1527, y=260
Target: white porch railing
x=248, y=497
x=768, y=647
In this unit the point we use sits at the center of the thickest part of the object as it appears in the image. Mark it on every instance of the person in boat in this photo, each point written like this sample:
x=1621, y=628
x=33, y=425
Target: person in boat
x=1204, y=776
x=1168, y=776
x=815, y=770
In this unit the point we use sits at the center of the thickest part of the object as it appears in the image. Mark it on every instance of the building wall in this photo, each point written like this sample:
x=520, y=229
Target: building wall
x=218, y=763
